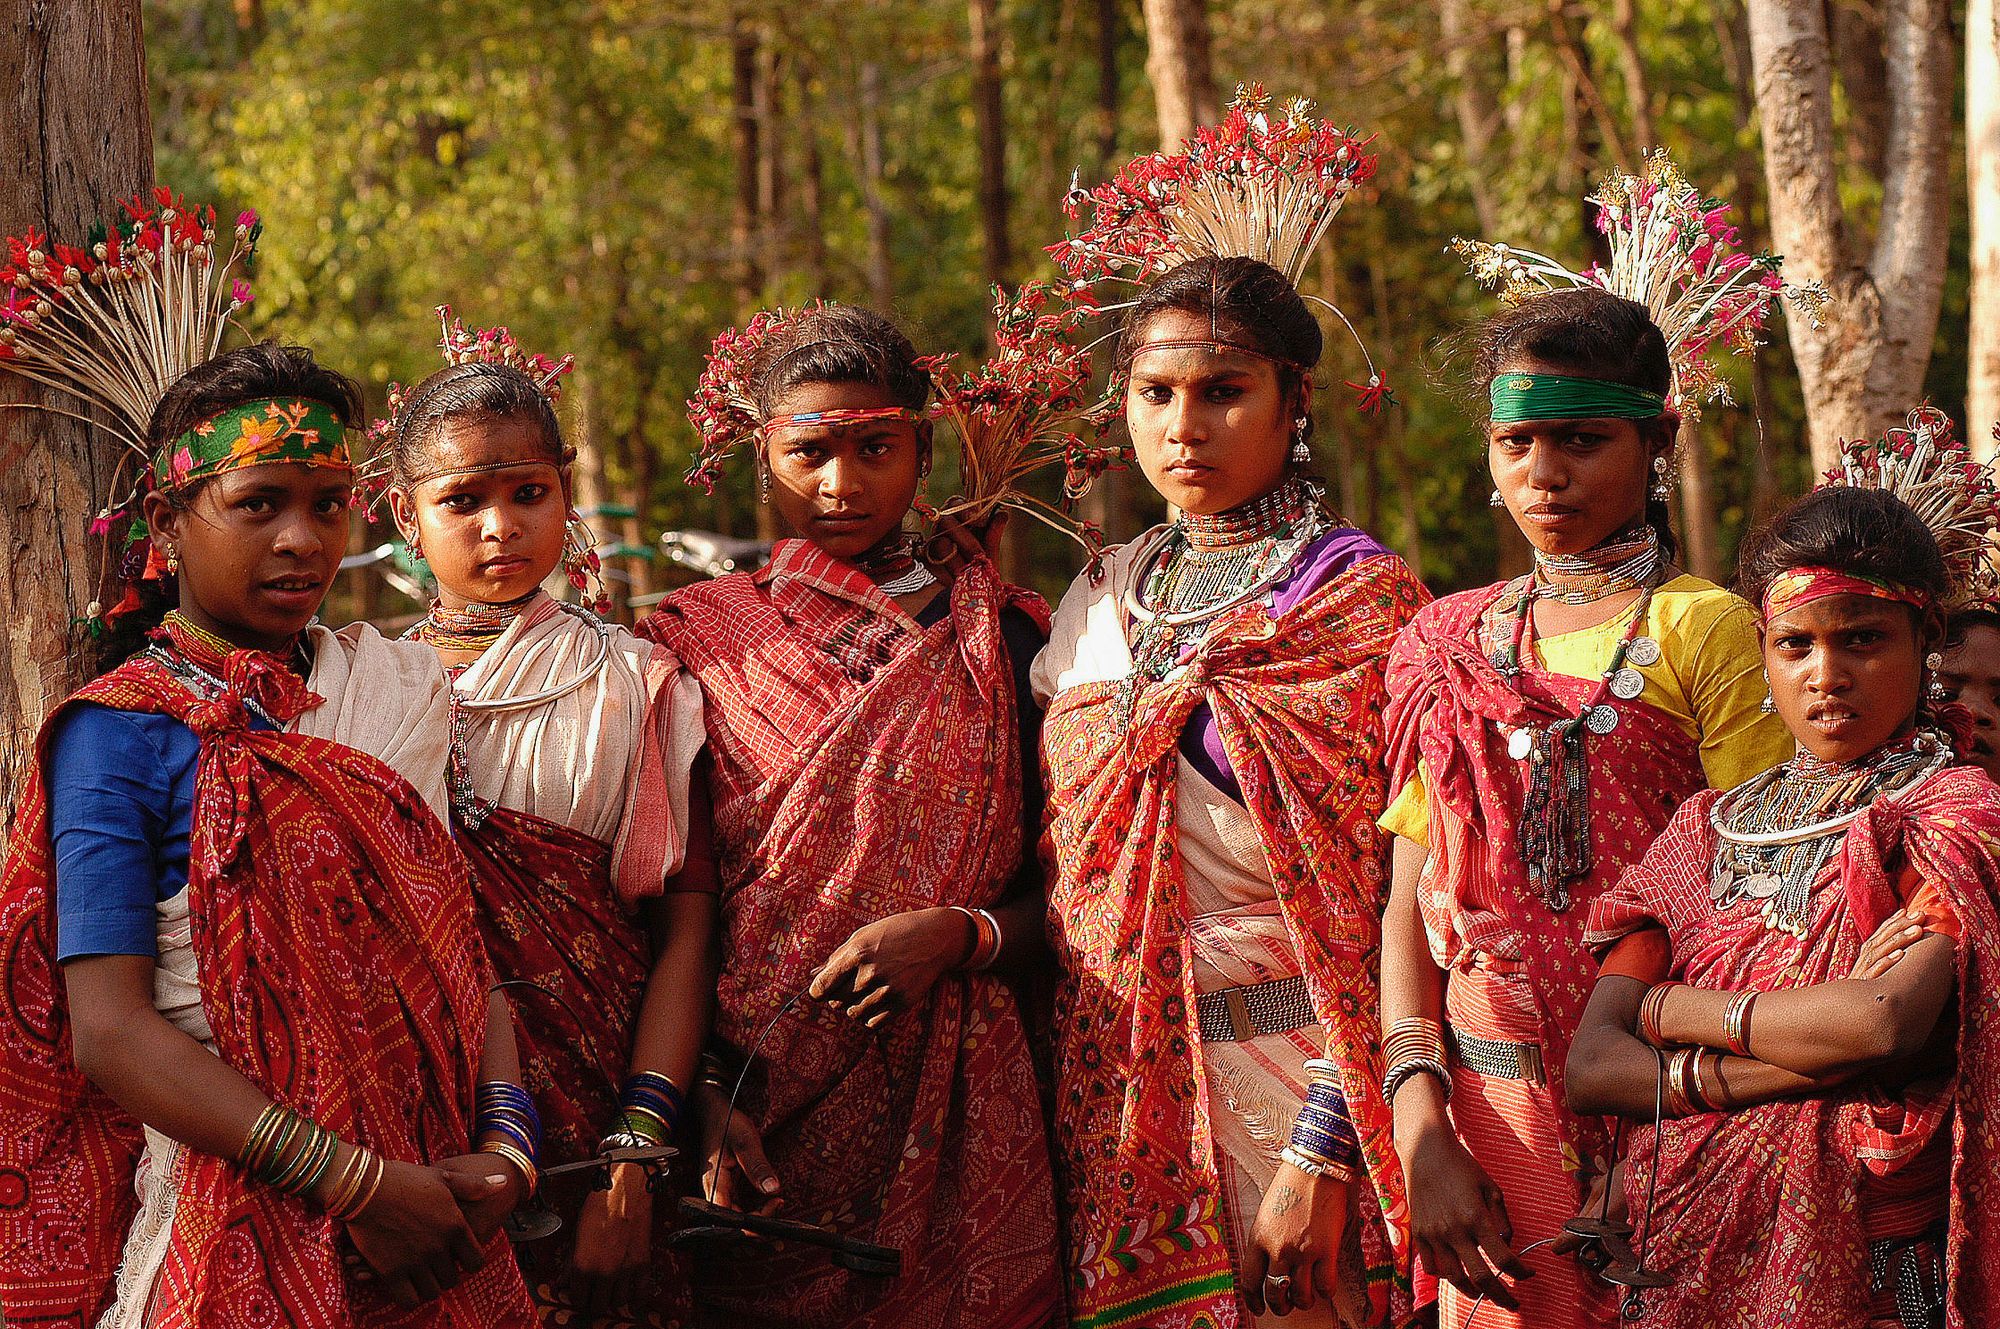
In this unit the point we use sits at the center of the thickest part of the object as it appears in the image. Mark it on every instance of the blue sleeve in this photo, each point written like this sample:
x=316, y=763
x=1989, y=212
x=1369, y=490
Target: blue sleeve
x=110, y=800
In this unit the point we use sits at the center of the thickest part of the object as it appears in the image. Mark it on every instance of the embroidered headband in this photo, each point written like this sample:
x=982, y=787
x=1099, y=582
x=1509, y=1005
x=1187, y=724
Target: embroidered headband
x=255, y=433
x=1801, y=586
x=1518, y=397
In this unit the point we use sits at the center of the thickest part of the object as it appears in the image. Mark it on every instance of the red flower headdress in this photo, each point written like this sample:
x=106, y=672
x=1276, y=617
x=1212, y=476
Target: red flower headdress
x=1924, y=464
x=113, y=325
x=1250, y=187
x=723, y=411
x=1022, y=411
x=1674, y=252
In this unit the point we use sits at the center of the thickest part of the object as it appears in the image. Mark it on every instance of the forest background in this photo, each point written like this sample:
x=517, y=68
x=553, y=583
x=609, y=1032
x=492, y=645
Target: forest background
x=620, y=180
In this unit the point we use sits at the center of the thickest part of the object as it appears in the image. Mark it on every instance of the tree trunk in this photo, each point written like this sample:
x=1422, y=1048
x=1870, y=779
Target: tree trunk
x=1632, y=67
x=1589, y=95
x=1982, y=160
x=1108, y=31
x=1177, y=62
x=1474, y=105
x=1864, y=367
x=869, y=155
x=1700, y=555
x=989, y=115
x=768, y=97
x=812, y=181
x=743, y=216
x=75, y=137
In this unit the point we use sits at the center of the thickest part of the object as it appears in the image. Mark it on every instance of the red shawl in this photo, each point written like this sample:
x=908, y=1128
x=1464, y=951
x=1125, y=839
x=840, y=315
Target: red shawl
x=1758, y=1214
x=341, y=974
x=1446, y=703
x=866, y=766
x=1298, y=702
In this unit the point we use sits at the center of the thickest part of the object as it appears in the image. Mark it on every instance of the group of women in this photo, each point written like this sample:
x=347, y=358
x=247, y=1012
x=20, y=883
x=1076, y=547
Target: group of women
x=1254, y=940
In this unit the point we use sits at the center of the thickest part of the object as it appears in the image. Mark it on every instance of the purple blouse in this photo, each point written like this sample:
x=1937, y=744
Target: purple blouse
x=1319, y=563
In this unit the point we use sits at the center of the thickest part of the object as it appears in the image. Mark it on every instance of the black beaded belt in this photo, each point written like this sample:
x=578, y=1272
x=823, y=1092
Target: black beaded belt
x=1498, y=1058
x=1236, y=1015
x=1914, y=1268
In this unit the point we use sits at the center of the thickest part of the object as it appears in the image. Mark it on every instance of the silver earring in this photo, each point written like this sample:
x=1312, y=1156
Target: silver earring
x=1936, y=690
x=1301, y=450
x=1661, y=490
x=1769, y=705
x=1496, y=501
x=763, y=484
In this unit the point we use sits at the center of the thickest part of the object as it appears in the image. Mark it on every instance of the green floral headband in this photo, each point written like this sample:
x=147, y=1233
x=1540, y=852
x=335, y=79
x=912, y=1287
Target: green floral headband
x=255, y=433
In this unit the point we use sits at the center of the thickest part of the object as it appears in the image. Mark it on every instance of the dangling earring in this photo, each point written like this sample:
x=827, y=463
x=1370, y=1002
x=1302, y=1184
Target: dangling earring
x=763, y=481
x=580, y=563
x=1496, y=501
x=1661, y=490
x=416, y=550
x=1935, y=691
x=173, y=561
x=1301, y=450
x=1769, y=705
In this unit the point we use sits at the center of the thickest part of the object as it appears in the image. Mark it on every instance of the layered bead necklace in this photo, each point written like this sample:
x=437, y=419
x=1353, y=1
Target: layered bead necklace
x=1204, y=565
x=1776, y=832
x=898, y=568
x=1555, y=831
x=471, y=627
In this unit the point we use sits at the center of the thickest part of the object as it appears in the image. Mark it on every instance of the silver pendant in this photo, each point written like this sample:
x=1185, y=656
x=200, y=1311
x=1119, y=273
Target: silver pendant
x=1501, y=659
x=1627, y=684
x=1643, y=651
x=1519, y=744
x=1601, y=720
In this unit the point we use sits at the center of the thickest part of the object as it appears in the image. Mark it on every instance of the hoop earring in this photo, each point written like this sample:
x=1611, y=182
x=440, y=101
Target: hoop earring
x=1662, y=491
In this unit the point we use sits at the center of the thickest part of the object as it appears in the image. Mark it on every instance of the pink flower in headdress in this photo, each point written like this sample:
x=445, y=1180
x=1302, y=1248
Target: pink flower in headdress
x=240, y=294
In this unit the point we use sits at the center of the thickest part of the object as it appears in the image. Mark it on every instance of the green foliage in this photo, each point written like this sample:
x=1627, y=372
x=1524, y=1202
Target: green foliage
x=568, y=168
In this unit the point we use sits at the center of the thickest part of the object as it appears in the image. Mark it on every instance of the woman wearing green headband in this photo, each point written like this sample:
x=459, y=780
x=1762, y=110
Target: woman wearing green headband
x=233, y=916
x=1543, y=730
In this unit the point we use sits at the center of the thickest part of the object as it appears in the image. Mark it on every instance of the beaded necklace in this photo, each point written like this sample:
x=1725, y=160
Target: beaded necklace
x=171, y=648
x=1775, y=832
x=1555, y=829
x=1203, y=565
x=1596, y=574
x=471, y=627
x=897, y=569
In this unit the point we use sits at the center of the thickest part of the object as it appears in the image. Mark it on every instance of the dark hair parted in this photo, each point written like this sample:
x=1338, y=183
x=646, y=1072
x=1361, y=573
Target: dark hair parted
x=478, y=391
x=1247, y=302
x=249, y=373
x=836, y=343
x=1862, y=532
x=1587, y=333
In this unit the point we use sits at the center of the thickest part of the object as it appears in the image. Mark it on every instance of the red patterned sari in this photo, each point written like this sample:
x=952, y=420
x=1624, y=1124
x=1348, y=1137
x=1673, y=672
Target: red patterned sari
x=866, y=766
x=1761, y=1214
x=341, y=973
x=1516, y=969
x=1297, y=700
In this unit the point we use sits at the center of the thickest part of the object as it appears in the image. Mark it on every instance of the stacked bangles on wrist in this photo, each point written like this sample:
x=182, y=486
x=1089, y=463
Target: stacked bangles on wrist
x=649, y=1108
x=1323, y=1141
x=1415, y=1046
x=1688, y=1091
x=293, y=1153
x=985, y=938
x=505, y=1123
x=1651, y=1006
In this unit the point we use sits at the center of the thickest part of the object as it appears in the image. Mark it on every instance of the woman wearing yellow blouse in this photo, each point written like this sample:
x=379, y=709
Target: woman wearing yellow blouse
x=1543, y=730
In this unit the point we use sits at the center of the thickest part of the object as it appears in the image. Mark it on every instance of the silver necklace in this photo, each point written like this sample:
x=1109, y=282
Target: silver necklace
x=908, y=583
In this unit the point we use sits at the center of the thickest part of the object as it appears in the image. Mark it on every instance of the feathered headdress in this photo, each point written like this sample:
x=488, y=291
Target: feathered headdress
x=1924, y=464
x=114, y=324
x=460, y=345
x=1250, y=187
x=724, y=413
x=1674, y=252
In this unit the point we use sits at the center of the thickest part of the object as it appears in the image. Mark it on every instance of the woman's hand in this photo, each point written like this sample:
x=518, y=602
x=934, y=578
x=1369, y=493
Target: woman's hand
x=1899, y=931
x=735, y=1171
x=614, y=1237
x=486, y=1213
x=1294, y=1256
x=1589, y=1253
x=1458, y=1221
x=414, y=1235
x=889, y=965
x=958, y=545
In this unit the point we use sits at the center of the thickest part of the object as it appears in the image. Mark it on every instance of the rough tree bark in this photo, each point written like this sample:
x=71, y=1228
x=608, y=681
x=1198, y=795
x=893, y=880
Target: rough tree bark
x=1864, y=366
x=744, y=136
x=75, y=135
x=1177, y=62
x=1982, y=159
x=1467, y=54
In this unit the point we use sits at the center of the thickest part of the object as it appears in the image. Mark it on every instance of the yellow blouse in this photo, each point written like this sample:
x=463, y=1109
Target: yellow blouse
x=1709, y=680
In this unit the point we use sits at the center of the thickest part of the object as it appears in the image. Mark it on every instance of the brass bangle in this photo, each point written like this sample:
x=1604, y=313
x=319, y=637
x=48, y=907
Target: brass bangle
x=1651, y=1007
x=514, y=1156
x=1698, y=1085
x=377, y=1168
x=261, y=1131
x=1736, y=1023
x=348, y=1184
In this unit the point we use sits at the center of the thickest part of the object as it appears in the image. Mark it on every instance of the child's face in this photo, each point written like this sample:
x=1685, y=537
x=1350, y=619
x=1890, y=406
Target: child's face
x=490, y=517
x=1971, y=677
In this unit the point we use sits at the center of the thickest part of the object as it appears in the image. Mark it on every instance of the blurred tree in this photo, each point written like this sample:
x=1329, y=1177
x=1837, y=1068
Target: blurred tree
x=1982, y=159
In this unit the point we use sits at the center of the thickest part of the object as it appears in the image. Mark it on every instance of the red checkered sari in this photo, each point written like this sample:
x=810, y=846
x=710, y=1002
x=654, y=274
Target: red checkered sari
x=341, y=974
x=1298, y=701
x=1759, y=1217
x=866, y=766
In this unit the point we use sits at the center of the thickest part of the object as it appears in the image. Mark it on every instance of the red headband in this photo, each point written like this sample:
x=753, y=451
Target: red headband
x=1801, y=586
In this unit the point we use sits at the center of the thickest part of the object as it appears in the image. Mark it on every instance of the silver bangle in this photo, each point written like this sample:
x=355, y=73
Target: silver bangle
x=1403, y=1071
